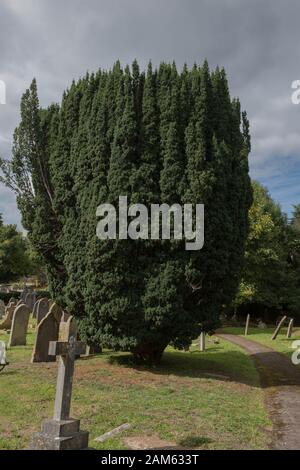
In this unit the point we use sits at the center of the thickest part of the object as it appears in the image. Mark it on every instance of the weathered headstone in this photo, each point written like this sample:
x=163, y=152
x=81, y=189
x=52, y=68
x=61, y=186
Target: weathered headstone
x=19, y=326
x=7, y=320
x=34, y=310
x=278, y=327
x=47, y=330
x=261, y=325
x=202, y=341
x=247, y=324
x=290, y=328
x=92, y=349
x=67, y=329
x=24, y=293
x=62, y=432
x=30, y=299
x=42, y=309
x=65, y=316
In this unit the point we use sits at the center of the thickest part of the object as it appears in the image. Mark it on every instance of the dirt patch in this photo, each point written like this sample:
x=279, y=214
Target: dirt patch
x=149, y=443
x=280, y=379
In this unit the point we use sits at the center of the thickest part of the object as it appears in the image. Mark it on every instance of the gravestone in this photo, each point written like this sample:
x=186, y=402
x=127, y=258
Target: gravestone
x=30, y=299
x=19, y=326
x=202, y=342
x=290, y=328
x=67, y=329
x=247, y=324
x=2, y=309
x=47, y=330
x=261, y=325
x=24, y=293
x=34, y=310
x=65, y=316
x=7, y=320
x=62, y=432
x=92, y=349
x=42, y=309
x=278, y=327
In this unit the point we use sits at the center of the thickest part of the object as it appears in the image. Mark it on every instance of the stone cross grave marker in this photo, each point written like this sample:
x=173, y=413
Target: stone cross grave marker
x=62, y=432
x=67, y=352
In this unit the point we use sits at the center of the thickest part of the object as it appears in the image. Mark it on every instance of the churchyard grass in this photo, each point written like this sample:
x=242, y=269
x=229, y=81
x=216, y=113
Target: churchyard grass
x=281, y=343
x=208, y=400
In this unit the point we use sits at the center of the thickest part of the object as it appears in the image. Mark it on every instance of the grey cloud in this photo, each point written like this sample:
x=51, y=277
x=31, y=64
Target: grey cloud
x=256, y=41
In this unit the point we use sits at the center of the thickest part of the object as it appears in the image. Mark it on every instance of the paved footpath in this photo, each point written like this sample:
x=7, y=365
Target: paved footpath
x=280, y=379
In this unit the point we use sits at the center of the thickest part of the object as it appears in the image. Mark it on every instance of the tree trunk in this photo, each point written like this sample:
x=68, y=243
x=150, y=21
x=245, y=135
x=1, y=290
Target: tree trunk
x=149, y=353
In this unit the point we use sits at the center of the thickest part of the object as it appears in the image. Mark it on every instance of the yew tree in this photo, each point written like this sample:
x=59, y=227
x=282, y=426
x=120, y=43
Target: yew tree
x=159, y=136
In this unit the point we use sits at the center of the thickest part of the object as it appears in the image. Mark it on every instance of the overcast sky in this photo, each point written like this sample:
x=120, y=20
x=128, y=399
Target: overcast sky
x=256, y=41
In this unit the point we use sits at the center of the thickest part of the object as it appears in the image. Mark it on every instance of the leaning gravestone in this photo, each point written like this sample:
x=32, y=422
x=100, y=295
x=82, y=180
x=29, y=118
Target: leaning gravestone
x=275, y=334
x=42, y=309
x=62, y=432
x=47, y=330
x=19, y=326
x=7, y=320
x=290, y=328
x=30, y=300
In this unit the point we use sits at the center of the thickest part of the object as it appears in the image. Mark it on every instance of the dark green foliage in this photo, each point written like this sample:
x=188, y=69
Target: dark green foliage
x=6, y=296
x=271, y=273
x=16, y=256
x=158, y=137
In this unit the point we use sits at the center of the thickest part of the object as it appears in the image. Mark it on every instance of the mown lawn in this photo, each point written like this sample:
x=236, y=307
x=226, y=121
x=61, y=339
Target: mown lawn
x=208, y=400
x=281, y=343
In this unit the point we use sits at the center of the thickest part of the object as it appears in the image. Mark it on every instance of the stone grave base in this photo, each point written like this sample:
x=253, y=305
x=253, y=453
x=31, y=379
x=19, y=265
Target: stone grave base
x=60, y=435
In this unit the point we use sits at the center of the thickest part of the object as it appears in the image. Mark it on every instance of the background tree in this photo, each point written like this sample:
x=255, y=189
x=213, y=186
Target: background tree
x=163, y=136
x=270, y=277
x=293, y=272
x=16, y=256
